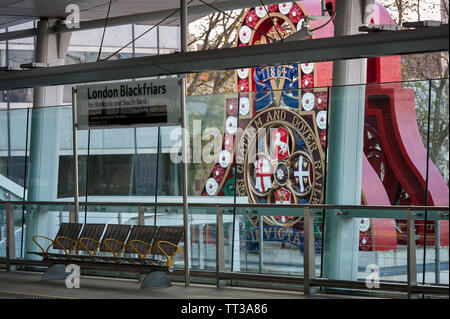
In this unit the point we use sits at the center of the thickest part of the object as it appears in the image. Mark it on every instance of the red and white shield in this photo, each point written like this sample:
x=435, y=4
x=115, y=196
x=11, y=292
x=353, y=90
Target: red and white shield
x=283, y=196
x=280, y=147
x=263, y=174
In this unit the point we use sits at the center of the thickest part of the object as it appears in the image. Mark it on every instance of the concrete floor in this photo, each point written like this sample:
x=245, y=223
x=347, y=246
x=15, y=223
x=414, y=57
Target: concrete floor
x=24, y=285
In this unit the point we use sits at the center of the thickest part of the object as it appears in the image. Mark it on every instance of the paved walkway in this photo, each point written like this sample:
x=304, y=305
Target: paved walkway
x=22, y=284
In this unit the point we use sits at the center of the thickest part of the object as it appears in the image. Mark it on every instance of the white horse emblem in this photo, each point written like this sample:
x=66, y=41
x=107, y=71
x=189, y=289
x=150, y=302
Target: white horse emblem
x=283, y=147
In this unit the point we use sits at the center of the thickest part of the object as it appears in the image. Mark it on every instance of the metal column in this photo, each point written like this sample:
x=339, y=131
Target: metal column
x=411, y=255
x=309, y=261
x=51, y=48
x=346, y=127
x=75, y=154
x=183, y=34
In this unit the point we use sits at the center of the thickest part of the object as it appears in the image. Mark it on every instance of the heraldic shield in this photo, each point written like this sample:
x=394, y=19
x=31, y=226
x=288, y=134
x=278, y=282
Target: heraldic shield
x=281, y=161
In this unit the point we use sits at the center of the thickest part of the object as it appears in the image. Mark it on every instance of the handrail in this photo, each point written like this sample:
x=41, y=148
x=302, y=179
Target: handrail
x=224, y=205
x=411, y=287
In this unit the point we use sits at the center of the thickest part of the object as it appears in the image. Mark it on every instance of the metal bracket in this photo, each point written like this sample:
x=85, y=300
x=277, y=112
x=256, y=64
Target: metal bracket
x=422, y=24
x=378, y=28
x=220, y=253
x=155, y=279
x=443, y=215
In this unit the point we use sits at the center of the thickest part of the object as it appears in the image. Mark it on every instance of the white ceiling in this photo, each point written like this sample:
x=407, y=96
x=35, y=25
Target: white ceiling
x=17, y=11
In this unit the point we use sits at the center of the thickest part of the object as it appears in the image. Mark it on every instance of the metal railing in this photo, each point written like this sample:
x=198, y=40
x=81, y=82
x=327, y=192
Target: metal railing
x=309, y=281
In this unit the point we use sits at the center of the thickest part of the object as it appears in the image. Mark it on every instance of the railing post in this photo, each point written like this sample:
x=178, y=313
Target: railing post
x=10, y=238
x=411, y=255
x=309, y=264
x=75, y=153
x=73, y=218
x=141, y=220
x=261, y=243
x=201, y=247
x=437, y=253
x=220, y=258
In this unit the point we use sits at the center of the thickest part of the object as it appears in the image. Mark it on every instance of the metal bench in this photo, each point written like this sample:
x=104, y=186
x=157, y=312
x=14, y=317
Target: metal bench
x=114, y=239
x=140, y=240
x=117, y=240
x=166, y=241
x=89, y=240
x=66, y=239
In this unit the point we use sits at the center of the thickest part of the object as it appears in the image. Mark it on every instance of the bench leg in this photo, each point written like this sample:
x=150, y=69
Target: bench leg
x=156, y=279
x=55, y=272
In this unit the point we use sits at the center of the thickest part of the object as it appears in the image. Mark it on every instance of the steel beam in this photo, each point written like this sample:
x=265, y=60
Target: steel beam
x=302, y=51
x=12, y=35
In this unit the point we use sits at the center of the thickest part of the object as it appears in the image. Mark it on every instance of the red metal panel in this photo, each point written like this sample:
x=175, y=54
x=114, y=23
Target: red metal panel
x=394, y=108
x=382, y=229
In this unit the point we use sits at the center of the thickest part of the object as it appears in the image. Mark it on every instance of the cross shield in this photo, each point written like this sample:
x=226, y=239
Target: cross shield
x=263, y=175
x=303, y=174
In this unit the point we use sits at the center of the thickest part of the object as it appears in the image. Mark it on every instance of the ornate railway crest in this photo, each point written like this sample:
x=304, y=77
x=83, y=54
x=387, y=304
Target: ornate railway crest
x=280, y=159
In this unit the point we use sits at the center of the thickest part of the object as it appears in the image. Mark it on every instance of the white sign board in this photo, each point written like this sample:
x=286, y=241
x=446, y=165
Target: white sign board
x=125, y=104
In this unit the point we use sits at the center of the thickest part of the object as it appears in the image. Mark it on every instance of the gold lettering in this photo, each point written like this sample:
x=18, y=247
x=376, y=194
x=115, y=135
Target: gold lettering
x=268, y=231
x=318, y=189
x=318, y=175
x=258, y=122
x=272, y=72
x=309, y=138
x=254, y=234
x=276, y=115
x=297, y=238
x=317, y=165
x=279, y=235
x=289, y=233
x=303, y=128
x=241, y=188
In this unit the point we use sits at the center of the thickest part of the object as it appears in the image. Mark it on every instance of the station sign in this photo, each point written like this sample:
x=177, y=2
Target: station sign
x=128, y=104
